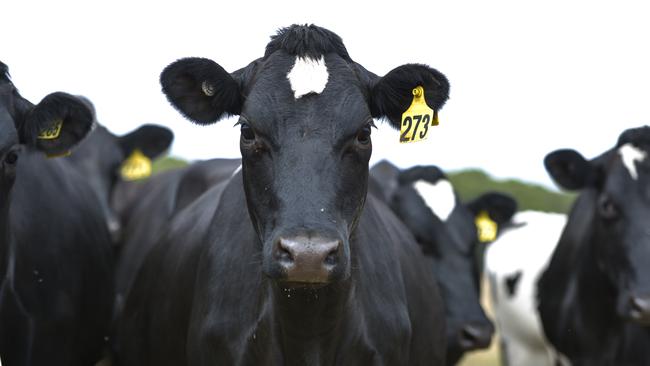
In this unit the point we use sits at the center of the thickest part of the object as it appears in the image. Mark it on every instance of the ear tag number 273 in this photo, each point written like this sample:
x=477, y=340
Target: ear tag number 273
x=417, y=118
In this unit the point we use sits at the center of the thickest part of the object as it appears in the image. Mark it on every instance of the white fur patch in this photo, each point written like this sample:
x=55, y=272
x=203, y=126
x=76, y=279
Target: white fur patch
x=439, y=197
x=630, y=155
x=308, y=76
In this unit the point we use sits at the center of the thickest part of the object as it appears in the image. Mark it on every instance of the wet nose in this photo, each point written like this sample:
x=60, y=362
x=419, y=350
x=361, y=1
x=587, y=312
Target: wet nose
x=308, y=259
x=475, y=336
x=639, y=309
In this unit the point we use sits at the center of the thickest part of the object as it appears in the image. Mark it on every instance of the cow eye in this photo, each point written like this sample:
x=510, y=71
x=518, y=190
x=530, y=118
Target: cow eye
x=607, y=208
x=247, y=132
x=11, y=158
x=363, y=137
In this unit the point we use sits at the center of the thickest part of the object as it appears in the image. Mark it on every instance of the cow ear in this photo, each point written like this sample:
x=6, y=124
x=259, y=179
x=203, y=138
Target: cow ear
x=568, y=168
x=151, y=140
x=391, y=95
x=429, y=173
x=201, y=90
x=56, y=124
x=500, y=207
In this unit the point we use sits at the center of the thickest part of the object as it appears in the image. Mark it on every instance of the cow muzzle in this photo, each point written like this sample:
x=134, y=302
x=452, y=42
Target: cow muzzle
x=307, y=260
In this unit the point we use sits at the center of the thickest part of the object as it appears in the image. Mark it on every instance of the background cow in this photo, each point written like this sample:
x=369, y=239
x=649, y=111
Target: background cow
x=294, y=265
x=423, y=198
x=55, y=259
x=595, y=295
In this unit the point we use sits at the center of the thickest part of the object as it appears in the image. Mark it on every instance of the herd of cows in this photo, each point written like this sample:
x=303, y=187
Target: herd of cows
x=298, y=253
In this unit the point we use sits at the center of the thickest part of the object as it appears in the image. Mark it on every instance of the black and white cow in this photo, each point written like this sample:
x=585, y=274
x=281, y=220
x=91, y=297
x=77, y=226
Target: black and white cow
x=101, y=155
x=55, y=258
x=424, y=199
x=594, y=298
x=294, y=265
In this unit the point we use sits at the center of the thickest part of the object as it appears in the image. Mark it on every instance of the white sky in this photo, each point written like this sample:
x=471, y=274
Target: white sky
x=525, y=78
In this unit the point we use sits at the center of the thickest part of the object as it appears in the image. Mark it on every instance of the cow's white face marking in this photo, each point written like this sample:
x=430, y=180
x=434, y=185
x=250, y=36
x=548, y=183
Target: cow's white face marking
x=630, y=155
x=439, y=197
x=308, y=76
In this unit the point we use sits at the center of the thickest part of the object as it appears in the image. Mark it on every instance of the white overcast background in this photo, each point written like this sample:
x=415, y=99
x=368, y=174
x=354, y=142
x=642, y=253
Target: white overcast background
x=526, y=78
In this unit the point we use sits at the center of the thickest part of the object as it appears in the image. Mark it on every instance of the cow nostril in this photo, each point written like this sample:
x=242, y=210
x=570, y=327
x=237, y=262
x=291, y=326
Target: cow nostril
x=332, y=257
x=639, y=305
x=283, y=254
x=474, y=337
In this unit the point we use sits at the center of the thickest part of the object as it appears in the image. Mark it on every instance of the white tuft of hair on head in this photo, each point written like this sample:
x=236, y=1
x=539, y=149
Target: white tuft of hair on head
x=439, y=197
x=630, y=154
x=308, y=76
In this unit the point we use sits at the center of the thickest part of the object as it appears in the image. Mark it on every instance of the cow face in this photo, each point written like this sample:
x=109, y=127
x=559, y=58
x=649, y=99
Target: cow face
x=618, y=184
x=306, y=115
x=101, y=155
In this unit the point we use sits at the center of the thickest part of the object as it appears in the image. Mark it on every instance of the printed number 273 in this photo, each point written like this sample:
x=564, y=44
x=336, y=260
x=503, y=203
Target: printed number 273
x=420, y=120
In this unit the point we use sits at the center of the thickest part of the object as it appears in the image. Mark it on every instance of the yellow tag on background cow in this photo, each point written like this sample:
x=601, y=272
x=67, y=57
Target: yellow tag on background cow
x=52, y=132
x=417, y=119
x=486, y=227
x=136, y=166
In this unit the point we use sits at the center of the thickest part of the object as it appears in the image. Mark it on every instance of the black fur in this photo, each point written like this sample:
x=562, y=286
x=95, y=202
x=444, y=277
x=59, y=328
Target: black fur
x=569, y=169
x=182, y=83
x=511, y=283
x=307, y=41
x=392, y=94
x=639, y=136
x=152, y=140
x=429, y=173
x=77, y=121
x=4, y=72
x=500, y=207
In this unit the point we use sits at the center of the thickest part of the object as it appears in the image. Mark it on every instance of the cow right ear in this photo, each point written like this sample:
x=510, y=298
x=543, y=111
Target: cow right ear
x=500, y=207
x=568, y=168
x=201, y=90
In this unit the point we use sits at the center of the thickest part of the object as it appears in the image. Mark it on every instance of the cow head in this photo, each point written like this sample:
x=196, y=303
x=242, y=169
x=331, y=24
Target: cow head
x=102, y=154
x=426, y=202
x=53, y=126
x=306, y=115
x=617, y=183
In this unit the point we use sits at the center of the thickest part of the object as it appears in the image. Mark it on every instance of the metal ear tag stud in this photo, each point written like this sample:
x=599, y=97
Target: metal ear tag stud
x=208, y=89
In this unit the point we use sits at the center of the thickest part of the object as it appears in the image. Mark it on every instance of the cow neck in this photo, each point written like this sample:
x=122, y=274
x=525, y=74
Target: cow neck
x=5, y=237
x=309, y=319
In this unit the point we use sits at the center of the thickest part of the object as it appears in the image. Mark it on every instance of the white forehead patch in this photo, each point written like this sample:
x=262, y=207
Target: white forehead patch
x=439, y=197
x=630, y=155
x=308, y=76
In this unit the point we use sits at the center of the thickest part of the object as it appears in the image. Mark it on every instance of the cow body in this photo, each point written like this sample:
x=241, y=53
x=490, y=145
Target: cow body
x=55, y=259
x=513, y=265
x=594, y=297
x=289, y=262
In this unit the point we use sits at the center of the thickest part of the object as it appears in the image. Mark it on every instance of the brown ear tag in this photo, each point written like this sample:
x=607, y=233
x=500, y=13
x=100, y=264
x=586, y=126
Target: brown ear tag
x=417, y=119
x=136, y=166
x=486, y=227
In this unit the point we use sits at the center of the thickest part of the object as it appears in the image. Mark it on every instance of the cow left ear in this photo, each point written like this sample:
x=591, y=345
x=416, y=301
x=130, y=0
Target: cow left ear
x=151, y=140
x=500, y=207
x=391, y=95
x=56, y=124
x=569, y=169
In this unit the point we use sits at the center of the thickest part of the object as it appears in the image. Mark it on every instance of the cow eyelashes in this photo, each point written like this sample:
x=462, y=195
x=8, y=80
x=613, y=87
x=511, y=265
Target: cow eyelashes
x=247, y=133
x=363, y=137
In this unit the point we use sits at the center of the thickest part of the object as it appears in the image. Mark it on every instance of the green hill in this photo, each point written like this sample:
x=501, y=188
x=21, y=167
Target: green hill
x=471, y=183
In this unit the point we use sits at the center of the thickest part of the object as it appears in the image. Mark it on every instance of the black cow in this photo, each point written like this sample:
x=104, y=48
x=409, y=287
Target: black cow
x=100, y=157
x=293, y=266
x=425, y=201
x=55, y=259
x=147, y=207
x=594, y=297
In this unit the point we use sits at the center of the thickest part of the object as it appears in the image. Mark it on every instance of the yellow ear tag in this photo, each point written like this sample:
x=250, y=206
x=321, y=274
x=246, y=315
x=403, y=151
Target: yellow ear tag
x=136, y=166
x=61, y=155
x=486, y=227
x=417, y=119
x=52, y=132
